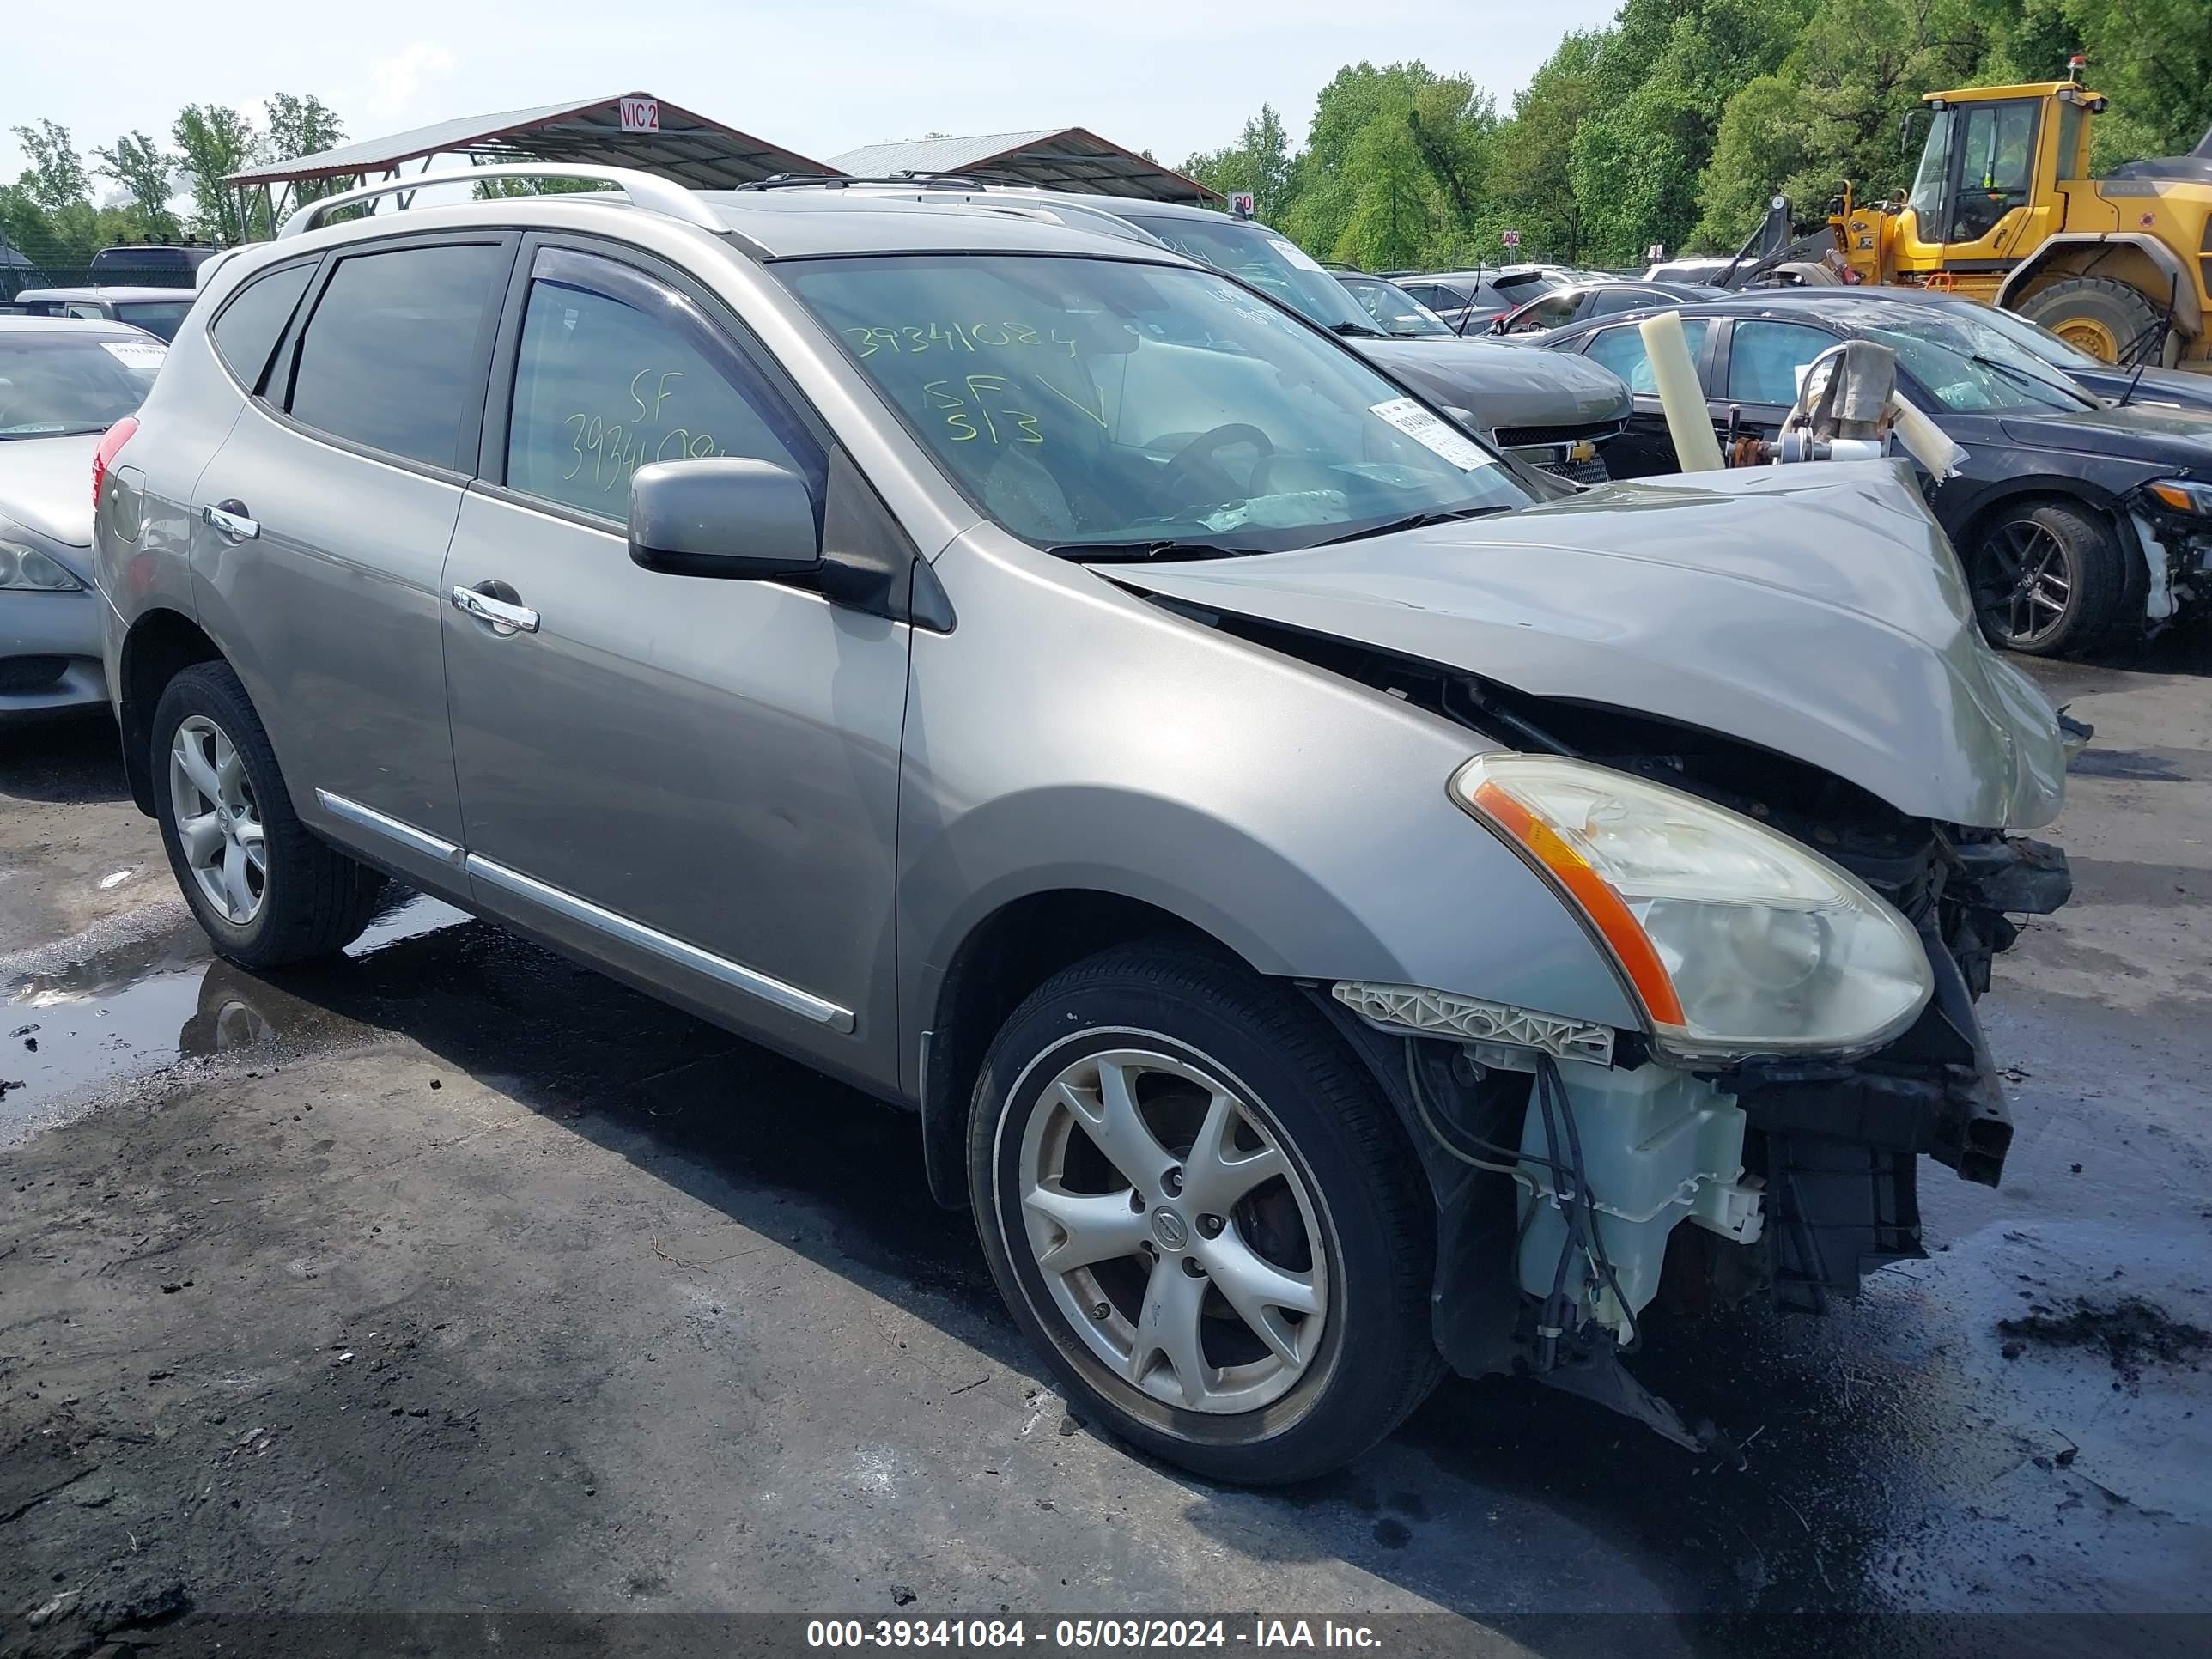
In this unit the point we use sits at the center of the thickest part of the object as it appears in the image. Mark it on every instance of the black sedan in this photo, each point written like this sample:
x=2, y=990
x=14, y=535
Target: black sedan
x=2077, y=522
x=2110, y=382
x=1563, y=307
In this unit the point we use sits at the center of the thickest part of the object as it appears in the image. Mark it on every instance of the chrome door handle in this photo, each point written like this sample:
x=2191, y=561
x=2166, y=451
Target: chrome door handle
x=230, y=518
x=505, y=618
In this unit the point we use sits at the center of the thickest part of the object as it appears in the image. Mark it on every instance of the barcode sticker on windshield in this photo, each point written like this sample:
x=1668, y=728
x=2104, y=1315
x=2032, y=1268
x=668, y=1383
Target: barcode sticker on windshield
x=1297, y=255
x=135, y=354
x=1430, y=432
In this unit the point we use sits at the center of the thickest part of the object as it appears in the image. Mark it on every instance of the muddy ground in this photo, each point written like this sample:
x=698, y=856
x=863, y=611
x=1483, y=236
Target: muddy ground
x=457, y=1279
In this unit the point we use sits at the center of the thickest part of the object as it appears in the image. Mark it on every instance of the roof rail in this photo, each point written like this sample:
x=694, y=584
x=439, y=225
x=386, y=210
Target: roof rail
x=645, y=189
x=845, y=180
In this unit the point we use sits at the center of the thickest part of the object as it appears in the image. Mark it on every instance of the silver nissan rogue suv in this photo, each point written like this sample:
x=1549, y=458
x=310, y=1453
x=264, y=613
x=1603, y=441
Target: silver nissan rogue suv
x=1340, y=904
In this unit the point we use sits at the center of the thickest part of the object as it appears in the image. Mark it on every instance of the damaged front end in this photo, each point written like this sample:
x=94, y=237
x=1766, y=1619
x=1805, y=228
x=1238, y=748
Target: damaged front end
x=1795, y=646
x=1587, y=1180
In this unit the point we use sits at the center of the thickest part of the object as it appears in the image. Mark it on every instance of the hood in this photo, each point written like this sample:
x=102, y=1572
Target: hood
x=45, y=486
x=2159, y=386
x=1815, y=610
x=1504, y=385
x=2140, y=432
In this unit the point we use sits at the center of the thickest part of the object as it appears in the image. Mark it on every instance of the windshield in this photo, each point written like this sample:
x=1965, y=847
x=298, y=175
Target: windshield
x=1969, y=367
x=1271, y=261
x=1394, y=311
x=2034, y=337
x=162, y=317
x=1088, y=403
x=61, y=382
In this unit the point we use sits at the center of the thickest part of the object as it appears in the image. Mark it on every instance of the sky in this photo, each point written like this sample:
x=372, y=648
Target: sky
x=817, y=76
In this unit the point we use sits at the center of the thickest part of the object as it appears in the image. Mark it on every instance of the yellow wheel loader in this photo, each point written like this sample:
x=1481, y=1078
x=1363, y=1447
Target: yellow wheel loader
x=2003, y=209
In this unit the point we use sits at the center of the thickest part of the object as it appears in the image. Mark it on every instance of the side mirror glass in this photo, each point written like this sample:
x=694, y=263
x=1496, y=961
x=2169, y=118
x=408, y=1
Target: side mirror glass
x=723, y=516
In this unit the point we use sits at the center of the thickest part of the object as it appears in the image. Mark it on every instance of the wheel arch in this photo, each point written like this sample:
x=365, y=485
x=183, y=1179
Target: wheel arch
x=2082, y=494
x=161, y=645
x=999, y=960
x=2084, y=254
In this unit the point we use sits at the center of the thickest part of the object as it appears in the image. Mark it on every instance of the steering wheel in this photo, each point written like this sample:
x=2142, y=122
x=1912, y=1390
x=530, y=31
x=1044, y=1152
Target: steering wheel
x=1195, y=468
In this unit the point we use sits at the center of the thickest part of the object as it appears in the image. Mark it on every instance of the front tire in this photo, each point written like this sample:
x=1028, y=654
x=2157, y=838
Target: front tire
x=1203, y=1215
x=2110, y=321
x=2049, y=578
x=267, y=890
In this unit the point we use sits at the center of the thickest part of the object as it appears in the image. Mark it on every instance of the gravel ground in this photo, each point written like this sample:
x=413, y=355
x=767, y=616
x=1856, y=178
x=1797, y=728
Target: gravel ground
x=455, y=1278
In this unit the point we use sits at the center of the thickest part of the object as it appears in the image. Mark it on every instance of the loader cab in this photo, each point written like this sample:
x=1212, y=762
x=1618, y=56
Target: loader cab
x=1993, y=166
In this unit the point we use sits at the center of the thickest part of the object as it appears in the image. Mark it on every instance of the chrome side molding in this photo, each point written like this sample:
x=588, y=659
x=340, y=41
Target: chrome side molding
x=391, y=829
x=735, y=975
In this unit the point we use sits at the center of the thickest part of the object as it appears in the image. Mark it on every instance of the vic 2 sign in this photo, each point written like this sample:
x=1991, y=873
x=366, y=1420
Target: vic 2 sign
x=641, y=115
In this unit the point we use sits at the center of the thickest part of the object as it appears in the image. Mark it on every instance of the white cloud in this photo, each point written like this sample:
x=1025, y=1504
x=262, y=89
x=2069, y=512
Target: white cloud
x=394, y=81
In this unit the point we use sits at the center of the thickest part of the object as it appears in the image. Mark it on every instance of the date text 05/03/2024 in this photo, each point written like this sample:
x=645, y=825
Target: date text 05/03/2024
x=1069, y=1634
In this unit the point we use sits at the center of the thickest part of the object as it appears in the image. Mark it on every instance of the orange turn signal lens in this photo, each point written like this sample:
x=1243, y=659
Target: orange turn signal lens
x=1607, y=911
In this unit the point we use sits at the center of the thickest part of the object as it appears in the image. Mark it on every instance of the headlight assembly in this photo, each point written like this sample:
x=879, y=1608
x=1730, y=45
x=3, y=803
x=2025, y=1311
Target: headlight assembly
x=26, y=567
x=2182, y=495
x=1737, y=940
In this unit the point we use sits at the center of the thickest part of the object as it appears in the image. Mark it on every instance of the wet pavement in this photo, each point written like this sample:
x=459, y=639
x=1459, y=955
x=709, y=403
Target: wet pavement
x=1943, y=1465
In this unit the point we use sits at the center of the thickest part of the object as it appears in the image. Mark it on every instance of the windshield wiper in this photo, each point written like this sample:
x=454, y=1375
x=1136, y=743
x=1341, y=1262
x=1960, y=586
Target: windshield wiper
x=54, y=432
x=1417, y=521
x=1358, y=331
x=2019, y=376
x=1136, y=552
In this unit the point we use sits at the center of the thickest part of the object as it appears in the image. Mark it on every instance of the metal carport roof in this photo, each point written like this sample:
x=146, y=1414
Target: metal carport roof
x=1053, y=158
x=689, y=147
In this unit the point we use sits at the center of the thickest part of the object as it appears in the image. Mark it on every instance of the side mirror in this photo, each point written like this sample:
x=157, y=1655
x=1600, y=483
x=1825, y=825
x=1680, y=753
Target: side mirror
x=723, y=516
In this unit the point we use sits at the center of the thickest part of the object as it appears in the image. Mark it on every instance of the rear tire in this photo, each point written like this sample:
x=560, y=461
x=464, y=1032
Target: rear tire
x=267, y=890
x=2049, y=578
x=2110, y=321
x=1271, y=1216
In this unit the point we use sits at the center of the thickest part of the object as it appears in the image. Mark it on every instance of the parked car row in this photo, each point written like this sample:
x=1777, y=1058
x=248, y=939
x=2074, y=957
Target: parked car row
x=2078, y=519
x=1343, y=904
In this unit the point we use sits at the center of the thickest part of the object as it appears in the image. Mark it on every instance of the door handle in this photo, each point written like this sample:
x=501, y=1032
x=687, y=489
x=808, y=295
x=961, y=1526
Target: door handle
x=504, y=615
x=229, y=518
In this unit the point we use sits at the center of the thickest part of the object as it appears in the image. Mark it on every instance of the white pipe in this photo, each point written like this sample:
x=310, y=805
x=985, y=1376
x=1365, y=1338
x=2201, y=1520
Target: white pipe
x=1696, y=448
x=1924, y=441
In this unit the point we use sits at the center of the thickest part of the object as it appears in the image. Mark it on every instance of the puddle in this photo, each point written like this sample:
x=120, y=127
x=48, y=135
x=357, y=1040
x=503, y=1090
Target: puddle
x=137, y=1004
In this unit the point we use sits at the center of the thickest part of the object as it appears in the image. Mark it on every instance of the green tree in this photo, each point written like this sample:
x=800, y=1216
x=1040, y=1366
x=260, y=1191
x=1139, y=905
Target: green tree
x=56, y=177
x=304, y=126
x=212, y=142
x=1533, y=170
x=135, y=162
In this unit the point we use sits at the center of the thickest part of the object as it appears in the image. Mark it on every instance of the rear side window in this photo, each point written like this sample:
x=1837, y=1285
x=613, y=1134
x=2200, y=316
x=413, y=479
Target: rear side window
x=389, y=358
x=1622, y=350
x=1763, y=359
x=254, y=320
x=615, y=370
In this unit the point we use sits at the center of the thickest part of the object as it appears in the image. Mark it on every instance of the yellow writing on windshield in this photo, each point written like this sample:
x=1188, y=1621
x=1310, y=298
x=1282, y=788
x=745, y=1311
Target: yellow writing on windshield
x=914, y=338
x=981, y=398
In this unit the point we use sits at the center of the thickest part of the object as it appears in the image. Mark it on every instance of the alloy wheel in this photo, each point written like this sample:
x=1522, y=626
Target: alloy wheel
x=2026, y=583
x=218, y=820
x=1173, y=1232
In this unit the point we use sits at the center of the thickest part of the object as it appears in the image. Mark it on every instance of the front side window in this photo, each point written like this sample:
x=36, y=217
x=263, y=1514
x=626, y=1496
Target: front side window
x=615, y=370
x=1763, y=359
x=57, y=385
x=1067, y=399
x=389, y=358
x=1998, y=151
x=1622, y=350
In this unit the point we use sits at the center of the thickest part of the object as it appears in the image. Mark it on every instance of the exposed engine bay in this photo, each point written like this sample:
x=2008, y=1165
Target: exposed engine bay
x=1578, y=1189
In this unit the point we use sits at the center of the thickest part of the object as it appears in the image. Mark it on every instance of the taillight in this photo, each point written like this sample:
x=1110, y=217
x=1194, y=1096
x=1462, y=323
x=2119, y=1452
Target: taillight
x=110, y=447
